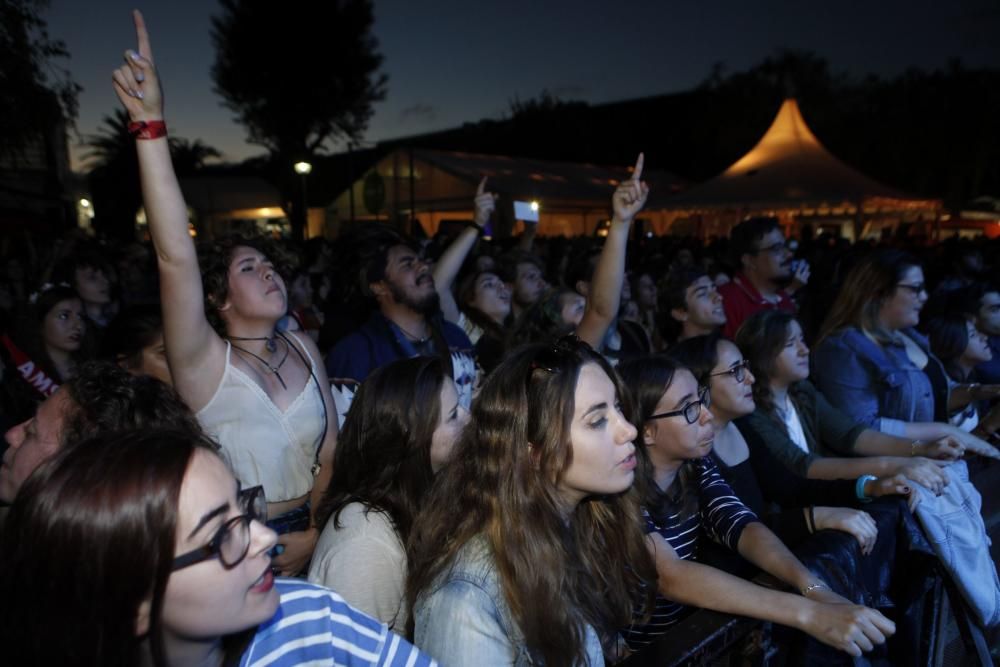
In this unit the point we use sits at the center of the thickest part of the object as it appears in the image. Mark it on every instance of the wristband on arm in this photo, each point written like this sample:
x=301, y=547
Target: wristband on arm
x=152, y=129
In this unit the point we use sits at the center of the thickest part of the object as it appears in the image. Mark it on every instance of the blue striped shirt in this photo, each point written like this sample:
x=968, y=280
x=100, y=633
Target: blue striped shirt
x=315, y=626
x=721, y=516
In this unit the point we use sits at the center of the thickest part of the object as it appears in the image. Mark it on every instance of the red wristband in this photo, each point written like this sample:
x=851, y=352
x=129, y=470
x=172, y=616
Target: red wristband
x=153, y=129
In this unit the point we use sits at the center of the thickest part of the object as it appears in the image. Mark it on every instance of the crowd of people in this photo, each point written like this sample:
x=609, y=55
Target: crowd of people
x=396, y=450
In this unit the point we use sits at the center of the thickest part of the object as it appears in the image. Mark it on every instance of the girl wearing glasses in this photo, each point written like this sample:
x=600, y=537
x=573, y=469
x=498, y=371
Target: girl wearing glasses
x=528, y=550
x=686, y=500
x=872, y=363
x=810, y=436
x=169, y=565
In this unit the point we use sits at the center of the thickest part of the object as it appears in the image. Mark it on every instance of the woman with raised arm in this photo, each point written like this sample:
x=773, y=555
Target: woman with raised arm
x=529, y=548
x=259, y=391
x=562, y=310
x=685, y=501
x=170, y=567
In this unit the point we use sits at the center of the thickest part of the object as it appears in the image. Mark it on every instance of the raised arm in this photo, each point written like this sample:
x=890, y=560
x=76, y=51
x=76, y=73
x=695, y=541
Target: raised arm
x=195, y=353
x=448, y=266
x=609, y=274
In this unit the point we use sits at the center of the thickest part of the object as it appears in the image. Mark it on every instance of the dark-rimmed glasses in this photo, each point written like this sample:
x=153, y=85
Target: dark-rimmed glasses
x=917, y=289
x=232, y=542
x=775, y=248
x=692, y=410
x=739, y=371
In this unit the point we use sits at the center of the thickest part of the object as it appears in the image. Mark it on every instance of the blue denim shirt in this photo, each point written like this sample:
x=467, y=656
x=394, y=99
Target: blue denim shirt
x=463, y=619
x=876, y=385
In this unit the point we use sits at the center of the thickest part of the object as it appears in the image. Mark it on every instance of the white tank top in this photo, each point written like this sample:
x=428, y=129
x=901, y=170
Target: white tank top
x=263, y=444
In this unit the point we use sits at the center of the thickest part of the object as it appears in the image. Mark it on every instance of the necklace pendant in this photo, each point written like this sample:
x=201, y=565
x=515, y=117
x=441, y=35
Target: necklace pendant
x=271, y=344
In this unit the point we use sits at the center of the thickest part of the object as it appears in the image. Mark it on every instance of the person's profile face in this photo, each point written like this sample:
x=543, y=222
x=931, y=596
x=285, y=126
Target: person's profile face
x=206, y=600
x=602, y=440
x=32, y=442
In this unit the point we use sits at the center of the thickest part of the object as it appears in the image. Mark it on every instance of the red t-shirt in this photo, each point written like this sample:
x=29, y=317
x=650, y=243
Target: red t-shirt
x=740, y=300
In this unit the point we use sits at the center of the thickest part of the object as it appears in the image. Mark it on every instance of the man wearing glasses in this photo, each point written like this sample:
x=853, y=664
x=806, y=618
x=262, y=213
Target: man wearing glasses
x=765, y=264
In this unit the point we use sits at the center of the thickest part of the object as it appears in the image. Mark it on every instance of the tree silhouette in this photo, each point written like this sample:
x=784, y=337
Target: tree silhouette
x=37, y=93
x=114, y=172
x=298, y=76
x=190, y=156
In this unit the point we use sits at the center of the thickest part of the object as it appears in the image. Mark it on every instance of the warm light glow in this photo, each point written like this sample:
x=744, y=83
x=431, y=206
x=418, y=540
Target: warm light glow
x=85, y=203
x=303, y=168
x=534, y=206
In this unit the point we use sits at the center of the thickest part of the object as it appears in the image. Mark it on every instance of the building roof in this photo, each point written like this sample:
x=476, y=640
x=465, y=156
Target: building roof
x=790, y=167
x=538, y=179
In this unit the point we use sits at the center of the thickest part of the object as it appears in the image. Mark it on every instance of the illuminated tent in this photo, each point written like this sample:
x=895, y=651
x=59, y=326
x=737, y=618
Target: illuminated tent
x=789, y=174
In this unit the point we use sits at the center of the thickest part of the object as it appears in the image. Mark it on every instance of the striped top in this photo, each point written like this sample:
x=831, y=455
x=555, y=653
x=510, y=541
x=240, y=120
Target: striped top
x=315, y=626
x=721, y=516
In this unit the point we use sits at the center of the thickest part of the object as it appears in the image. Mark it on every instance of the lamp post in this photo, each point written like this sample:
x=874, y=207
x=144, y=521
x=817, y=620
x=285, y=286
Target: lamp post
x=303, y=169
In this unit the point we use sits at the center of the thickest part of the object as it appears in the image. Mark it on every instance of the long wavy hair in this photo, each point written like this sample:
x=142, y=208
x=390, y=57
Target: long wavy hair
x=647, y=379
x=383, y=455
x=761, y=338
x=868, y=285
x=90, y=536
x=556, y=576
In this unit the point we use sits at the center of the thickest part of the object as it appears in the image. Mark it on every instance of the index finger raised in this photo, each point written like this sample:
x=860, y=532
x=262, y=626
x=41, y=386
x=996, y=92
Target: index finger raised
x=482, y=187
x=637, y=171
x=141, y=35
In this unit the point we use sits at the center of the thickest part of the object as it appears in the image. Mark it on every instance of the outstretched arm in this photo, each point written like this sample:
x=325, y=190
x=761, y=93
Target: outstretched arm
x=195, y=353
x=609, y=274
x=850, y=628
x=448, y=266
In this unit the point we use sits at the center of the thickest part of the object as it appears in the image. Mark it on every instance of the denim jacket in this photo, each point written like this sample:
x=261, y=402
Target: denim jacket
x=876, y=385
x=463, y=619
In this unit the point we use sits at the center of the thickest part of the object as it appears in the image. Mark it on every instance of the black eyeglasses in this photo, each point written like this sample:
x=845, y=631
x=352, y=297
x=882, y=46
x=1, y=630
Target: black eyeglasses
x=775, y=248
x=917, y=289
x=232, y=542
x=692, y=410
x=739, y=371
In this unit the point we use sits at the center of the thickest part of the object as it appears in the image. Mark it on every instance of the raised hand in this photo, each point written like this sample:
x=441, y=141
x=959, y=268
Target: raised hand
x=630, y=196
x=485, y=204
x=859, y=524
x=136, y=82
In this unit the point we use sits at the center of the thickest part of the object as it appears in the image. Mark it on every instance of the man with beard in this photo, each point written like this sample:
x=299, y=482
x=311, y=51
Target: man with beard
x=407, y=322
x=759, y=248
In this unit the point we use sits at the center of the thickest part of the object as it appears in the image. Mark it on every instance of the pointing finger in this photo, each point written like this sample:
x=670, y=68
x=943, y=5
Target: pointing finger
x=637, y=171
x=482, y=187
x=141, y=36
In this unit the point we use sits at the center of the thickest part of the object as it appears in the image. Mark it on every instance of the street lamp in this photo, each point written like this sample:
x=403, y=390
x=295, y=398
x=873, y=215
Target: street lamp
x=303, y=168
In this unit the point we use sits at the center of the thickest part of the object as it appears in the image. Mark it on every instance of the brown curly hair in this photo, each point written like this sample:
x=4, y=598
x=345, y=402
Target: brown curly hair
x=214, y=259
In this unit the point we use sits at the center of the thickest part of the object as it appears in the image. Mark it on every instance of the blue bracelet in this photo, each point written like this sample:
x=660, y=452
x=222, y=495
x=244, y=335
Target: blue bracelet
x=859, y=487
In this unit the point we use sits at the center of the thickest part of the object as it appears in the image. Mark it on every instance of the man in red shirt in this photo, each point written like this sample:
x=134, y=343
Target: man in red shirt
x=765, y=278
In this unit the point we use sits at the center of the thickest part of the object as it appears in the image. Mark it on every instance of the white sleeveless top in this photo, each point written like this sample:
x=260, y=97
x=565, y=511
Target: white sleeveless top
x=262, y=444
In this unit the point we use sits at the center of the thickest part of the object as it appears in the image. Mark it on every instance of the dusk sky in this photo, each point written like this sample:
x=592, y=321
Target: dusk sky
x=450, y=62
